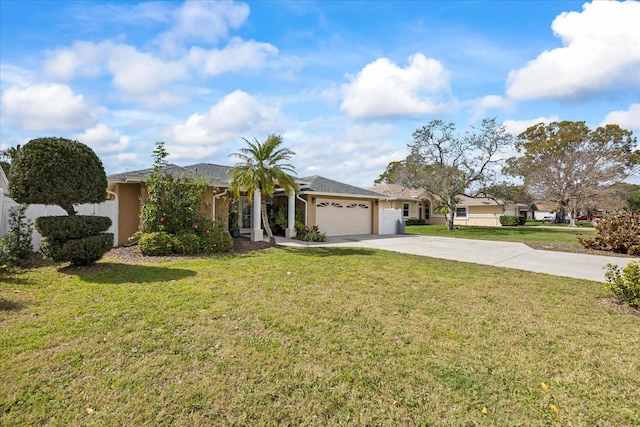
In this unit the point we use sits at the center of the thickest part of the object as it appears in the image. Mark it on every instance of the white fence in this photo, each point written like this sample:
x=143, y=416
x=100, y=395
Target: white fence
x=108, y=208
x=389, y=219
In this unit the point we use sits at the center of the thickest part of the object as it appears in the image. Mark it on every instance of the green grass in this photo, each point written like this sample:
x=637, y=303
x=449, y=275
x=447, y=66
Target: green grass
x=314, y=336
x=523, y=234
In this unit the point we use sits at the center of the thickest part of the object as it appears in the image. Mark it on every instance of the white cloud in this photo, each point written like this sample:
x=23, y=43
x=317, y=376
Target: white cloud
x=46, y=107
x=600, y=51
x=206, y=21
x=626, y=119
x=85, y=59
x=102, y=139
x=236, y=114
x=237, y=55
x=383, y=89
x=516, y=127
x=11, y=75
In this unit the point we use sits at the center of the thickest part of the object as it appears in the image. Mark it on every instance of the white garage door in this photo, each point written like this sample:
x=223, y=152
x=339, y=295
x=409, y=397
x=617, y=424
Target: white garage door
x=343, y=217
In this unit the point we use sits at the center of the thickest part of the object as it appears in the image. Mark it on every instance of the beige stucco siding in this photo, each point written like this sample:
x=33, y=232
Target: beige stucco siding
x=128, y=210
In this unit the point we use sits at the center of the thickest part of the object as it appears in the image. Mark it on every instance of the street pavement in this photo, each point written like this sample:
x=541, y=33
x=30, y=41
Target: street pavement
x=499, y=254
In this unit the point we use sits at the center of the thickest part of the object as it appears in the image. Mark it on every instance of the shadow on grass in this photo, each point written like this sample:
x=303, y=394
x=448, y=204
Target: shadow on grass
x=6, y=305
x=118, y=273
x=312, y=251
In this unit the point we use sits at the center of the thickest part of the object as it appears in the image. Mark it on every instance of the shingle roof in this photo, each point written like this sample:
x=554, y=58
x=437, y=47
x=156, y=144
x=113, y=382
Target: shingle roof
x=397, y=191
x=322, y=185
x=217, y=173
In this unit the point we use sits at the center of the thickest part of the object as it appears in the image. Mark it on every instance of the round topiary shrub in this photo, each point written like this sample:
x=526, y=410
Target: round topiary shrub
x=57, y=171
x=63, y=172
x=157, y=244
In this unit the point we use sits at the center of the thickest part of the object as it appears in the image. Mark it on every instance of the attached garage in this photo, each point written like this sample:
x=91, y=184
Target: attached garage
x=337, y=217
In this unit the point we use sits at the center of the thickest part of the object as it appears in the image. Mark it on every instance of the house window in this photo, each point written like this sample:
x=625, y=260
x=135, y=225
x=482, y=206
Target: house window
x=405, y=210
x=461, y=212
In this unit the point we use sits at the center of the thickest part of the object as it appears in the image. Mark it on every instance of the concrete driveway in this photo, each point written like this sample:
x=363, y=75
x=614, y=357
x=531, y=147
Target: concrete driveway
x=499, y=254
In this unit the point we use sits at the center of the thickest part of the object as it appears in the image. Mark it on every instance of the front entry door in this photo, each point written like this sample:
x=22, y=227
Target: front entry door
x=244, y=210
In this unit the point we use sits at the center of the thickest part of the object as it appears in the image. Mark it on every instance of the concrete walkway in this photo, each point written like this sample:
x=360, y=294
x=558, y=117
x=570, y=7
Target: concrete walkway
x=499, y=254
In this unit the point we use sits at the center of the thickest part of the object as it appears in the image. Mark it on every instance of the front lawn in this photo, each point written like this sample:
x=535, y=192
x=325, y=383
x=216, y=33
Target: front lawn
x=523, y=234
x=312, y=336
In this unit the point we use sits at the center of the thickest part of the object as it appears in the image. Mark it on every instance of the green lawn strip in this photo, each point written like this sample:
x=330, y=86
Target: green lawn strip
x=523, y=234
x=322, y=336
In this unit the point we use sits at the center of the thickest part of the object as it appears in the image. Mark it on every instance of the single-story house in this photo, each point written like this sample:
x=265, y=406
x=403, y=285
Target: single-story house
x=336, y=208
x=469, y=210
x=414, y=204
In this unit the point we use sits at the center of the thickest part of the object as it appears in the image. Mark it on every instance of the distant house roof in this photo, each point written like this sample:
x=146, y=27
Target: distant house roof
x=398, y=191
x=319, y=185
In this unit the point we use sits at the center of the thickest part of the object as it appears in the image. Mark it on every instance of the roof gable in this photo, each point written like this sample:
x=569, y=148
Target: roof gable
x=397, y=191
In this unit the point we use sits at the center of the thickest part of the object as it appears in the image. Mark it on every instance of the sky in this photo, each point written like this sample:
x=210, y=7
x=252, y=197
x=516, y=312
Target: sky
x=345, y=83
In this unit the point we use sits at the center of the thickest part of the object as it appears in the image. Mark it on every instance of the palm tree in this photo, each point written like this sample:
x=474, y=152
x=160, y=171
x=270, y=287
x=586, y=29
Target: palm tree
x=261, y=167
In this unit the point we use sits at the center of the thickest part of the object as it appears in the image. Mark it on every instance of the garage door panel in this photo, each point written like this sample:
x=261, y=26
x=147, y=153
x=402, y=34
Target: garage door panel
x=343, y=217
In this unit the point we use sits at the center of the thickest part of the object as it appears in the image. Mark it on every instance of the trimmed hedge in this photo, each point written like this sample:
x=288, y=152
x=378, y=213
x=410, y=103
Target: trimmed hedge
x=83, y=251
x=509, y=220
x=71, y=227
x=213, y=239
x=415, y=221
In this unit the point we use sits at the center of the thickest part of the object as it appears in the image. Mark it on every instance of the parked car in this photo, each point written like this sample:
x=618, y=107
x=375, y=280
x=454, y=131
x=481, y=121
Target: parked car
x=582, y=217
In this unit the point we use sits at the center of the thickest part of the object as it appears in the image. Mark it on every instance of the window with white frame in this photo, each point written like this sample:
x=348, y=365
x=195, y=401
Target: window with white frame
x=405, y=210
x=461, y=212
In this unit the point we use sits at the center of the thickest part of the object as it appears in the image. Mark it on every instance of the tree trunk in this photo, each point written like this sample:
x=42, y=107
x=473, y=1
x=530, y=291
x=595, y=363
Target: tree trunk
x=452, y=211
x=265, y=219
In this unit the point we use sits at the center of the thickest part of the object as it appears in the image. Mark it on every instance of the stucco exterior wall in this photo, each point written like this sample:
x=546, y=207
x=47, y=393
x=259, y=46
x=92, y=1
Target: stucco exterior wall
x=128, y=210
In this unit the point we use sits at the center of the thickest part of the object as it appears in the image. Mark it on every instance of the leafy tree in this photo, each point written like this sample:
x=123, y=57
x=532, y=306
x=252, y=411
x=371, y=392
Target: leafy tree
x=568, y=163
x=172, y=201
x=447, y=165
x=261, y=167
x=506, y=192
x=16, y=247
x=57, y=171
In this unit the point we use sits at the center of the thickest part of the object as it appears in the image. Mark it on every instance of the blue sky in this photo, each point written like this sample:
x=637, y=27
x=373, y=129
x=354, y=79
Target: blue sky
x=345, y=83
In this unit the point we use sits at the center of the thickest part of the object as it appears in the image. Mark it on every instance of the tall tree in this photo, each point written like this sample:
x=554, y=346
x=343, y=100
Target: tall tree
x=262, y=166
x=447, y=165
x=570, y=164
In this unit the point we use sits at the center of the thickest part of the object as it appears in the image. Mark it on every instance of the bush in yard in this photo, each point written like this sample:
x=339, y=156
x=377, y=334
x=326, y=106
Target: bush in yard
x=312, y=234
x=214, y=239
x=522, y=220
x=157, y=243
x=63, y=172
x=16, y=246
x=625, y=285
x=57, y=171
x=187, y=244
x=416, y=221
x=172, y=201
x=619, y=233
x=509, y=220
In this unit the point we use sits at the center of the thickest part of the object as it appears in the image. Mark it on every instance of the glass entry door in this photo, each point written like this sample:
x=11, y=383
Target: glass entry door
x=244, y=210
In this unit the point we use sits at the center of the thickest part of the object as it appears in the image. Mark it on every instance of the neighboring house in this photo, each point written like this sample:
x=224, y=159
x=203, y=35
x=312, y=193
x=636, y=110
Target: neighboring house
x=469, y=211
x=336, y=208
x=545, y=211
x=412, y=203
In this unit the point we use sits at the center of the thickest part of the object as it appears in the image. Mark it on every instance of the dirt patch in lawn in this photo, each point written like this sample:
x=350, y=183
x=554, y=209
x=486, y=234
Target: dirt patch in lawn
x=616, y=305
x=567, y=247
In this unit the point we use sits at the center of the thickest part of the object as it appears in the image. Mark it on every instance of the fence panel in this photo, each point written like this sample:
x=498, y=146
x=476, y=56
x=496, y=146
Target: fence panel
x=108, y=208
